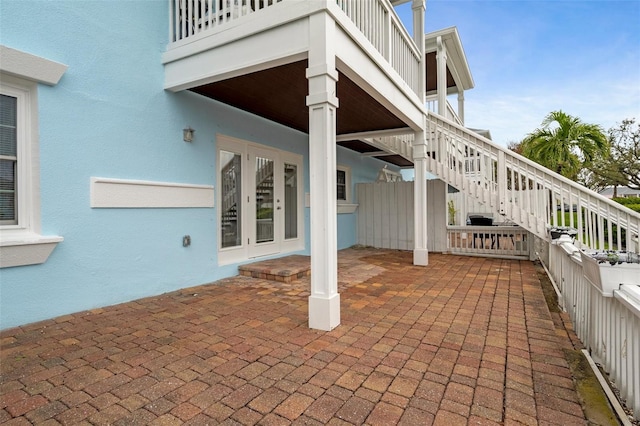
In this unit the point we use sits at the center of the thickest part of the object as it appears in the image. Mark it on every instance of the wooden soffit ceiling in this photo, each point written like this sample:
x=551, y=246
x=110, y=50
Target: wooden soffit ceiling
x=432, y=73
x=279, y=94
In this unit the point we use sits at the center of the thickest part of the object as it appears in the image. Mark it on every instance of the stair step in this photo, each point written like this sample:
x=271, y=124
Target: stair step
x=284, y=269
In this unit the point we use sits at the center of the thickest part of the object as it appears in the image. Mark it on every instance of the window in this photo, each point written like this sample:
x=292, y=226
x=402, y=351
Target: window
x=343, y=184
x=8, y=159
x=343, y=190
x=20, y=239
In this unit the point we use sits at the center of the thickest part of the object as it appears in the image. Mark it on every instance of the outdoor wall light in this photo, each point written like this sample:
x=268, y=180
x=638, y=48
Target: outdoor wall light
x=187, y=134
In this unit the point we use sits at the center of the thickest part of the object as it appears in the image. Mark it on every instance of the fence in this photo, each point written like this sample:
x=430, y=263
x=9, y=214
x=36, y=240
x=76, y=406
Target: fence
x=386, y=214
x=609, y=327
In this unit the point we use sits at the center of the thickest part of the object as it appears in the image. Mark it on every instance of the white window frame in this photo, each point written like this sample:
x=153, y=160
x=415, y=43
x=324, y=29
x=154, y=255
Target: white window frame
x=345, y=206
x=347, y=182
x=20, y=72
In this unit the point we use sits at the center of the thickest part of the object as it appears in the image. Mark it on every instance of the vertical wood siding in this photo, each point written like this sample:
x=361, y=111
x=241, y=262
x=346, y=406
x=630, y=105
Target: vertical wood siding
x=386, y=215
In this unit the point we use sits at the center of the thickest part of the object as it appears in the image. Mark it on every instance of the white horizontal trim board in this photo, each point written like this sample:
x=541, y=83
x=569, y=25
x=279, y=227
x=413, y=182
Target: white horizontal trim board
x=125, y=193
x=31, y=67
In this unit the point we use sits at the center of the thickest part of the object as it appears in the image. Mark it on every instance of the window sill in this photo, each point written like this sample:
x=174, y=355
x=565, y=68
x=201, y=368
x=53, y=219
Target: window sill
x=26, y=249
x=346, y=208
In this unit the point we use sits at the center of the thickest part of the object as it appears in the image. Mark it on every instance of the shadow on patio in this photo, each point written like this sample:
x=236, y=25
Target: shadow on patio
x=466, y=340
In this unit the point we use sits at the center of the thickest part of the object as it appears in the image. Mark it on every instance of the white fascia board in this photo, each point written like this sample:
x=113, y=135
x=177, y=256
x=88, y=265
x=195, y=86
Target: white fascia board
x=273, y=17
x=278, y=46
x=30, y=67
x=456, y=58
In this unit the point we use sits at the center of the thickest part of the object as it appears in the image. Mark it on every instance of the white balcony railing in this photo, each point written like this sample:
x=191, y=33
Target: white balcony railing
x=609, y=327
x=190, y=18
x=375, y=19
x=380, y=24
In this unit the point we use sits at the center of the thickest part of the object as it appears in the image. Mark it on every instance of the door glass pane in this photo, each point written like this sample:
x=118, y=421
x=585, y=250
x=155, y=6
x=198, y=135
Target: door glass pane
x=231, y=194
x=290, y=201
x=264, y=200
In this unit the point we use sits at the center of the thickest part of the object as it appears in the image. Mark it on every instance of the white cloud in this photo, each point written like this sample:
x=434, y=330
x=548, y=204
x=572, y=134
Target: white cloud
x=511, y=115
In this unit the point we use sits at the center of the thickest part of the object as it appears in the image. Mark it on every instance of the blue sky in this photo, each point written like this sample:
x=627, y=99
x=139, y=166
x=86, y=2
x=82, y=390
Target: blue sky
x=529, y=58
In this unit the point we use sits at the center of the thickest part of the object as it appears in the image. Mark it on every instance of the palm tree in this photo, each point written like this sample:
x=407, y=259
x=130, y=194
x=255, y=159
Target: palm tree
x=565, y=144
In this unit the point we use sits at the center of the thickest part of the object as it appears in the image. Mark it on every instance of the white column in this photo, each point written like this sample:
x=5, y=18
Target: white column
x=418, y=7
x=324, y=301
x=461, y=106
x=420, y=252
x=441, y=64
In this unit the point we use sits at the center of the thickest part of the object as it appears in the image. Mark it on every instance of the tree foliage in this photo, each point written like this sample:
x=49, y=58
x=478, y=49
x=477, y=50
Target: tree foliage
x=515, y=147
x=565, y=144
x=622, y=166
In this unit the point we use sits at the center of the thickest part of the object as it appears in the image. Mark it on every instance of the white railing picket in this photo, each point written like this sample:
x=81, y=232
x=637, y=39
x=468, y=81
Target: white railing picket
x=609, y=327
x=525, y=193
x=508, y=179
x=375, y=19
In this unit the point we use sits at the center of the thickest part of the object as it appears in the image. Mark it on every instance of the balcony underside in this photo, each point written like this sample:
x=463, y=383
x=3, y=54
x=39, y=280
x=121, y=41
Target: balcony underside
x=260, y=64
x=278, y=94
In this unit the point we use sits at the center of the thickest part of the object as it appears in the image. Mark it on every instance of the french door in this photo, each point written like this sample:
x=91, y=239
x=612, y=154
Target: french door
x=264, y=202
x=259, y=201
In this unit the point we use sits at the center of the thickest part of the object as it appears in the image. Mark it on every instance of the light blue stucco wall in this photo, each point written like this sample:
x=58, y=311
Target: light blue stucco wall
x=363, y=169
x=109, y=117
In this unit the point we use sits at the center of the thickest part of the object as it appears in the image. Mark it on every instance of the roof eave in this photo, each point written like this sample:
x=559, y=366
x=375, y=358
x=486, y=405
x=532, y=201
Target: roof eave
x=456, y=58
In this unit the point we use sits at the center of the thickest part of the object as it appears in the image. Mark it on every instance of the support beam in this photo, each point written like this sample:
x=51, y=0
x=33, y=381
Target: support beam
x=324, y=301
x=420, y=252
x=461, y=106
x=418, y=7
x=441, y=84
x=374, y=134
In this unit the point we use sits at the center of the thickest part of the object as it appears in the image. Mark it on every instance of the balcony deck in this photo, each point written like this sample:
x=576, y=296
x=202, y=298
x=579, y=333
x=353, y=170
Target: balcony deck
x=254, y=56
x=463, y=341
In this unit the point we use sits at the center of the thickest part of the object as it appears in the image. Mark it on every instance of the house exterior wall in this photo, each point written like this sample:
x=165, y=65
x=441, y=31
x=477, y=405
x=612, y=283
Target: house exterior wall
x=109, y=117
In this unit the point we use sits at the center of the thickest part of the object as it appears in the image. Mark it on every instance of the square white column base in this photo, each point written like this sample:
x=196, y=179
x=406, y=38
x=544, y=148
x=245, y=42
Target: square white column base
x=324, y=313
x=420, y=257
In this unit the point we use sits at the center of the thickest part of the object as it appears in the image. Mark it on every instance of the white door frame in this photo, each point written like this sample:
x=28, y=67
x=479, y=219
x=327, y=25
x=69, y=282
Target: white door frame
x=248, y=247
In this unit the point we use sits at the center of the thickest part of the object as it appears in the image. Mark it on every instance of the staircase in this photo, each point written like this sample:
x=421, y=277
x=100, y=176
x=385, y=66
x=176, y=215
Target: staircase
x=522, y=191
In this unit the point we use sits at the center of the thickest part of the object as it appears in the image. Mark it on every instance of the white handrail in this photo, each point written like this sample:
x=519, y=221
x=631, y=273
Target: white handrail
x=521, y=190
x=609, y=327
x=380, y=24
x=188, y=18
x=375, y=19
x=526, y=193
x=451, y=114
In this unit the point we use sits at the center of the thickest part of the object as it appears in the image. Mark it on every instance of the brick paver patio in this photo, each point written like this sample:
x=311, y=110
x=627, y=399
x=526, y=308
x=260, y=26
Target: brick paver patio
x=464, y=341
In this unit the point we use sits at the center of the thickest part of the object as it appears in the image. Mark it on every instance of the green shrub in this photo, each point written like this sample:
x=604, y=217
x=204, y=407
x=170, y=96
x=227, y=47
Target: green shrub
x=630, y=202
x=626, y=200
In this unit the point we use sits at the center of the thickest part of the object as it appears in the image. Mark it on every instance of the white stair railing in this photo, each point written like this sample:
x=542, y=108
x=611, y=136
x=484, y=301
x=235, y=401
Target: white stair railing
x=524, y=192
